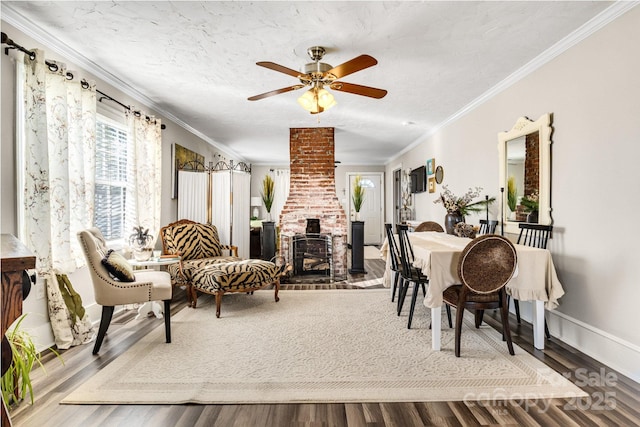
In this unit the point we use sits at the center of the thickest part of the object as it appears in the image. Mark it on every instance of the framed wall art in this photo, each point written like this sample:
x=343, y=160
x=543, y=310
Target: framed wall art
x=431, y=166
x=432, y=185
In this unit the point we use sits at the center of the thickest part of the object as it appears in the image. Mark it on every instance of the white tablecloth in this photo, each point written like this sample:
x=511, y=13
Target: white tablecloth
x=437, y=255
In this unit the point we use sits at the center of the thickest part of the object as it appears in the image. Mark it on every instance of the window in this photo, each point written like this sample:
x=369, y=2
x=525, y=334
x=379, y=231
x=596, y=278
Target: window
x=111, y=178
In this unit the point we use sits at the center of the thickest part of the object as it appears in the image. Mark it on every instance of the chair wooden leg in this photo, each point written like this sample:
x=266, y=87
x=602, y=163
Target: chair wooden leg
x=167, y=320
x=277, y=289
x=506, y=330
x=414, y=297
x=105, y=320
x=395, y=286
x=194, y=297
x=546, y=330
x=448, y=308
x=218, y=302
x=402, y=293
x=516, y=305
x=459, y=317
x=478, y=317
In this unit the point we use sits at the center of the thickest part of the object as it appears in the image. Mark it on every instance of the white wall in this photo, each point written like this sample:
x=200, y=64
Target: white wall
x=37, y=321
x=593, y=92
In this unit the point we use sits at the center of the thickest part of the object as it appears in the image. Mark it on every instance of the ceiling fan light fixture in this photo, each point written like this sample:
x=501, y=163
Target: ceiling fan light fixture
x=325, y=99
x=308, y=100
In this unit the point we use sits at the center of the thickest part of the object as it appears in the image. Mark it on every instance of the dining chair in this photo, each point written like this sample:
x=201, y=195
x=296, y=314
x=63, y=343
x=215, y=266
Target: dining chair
x=537, y=236
x=487, y=226
x=485, y=266
x=395, y=261
x=429, y=226
x=411, y=274
x=114, y=284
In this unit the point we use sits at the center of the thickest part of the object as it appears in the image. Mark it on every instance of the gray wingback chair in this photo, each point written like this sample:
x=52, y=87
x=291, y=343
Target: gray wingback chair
x=148, y=285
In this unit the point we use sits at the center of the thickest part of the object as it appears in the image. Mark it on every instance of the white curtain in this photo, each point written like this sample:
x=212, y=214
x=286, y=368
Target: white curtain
x=145, y=169
x=192, y=195
x=56, y=131
x=58, y=140
x=241, y=212
x=221, y=204
x=281, y=190
x=231, y=208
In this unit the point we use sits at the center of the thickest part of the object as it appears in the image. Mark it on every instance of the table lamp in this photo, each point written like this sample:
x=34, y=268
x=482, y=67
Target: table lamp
x=256, y=202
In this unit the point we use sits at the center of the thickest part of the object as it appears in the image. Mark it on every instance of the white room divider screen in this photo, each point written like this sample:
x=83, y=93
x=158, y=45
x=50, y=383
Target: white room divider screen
x=229, y=202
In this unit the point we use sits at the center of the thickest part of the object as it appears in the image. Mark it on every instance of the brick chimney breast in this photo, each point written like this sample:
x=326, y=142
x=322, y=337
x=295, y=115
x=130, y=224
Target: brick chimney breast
x=312, y=192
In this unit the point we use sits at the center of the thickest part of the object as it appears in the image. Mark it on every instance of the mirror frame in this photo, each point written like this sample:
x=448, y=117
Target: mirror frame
x=524, y=126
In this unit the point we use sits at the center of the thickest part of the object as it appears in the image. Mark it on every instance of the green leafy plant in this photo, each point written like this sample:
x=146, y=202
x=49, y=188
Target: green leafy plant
x=512, y=194
x=530, y=202
x=16, y=382
x=357, y=196
x=267, y=192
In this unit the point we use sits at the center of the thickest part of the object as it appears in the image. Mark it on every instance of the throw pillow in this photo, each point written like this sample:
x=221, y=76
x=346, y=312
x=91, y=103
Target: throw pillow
x=118, y=266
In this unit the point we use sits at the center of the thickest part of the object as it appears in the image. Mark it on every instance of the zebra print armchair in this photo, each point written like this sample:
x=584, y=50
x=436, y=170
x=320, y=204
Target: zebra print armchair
x=198, y=246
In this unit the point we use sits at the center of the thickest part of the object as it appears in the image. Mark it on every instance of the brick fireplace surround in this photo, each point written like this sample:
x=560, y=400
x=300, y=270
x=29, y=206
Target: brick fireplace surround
x=312, y=194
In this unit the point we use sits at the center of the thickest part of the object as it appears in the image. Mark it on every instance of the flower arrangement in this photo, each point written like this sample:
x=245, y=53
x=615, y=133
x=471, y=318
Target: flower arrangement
x=512, y=194
x=267, y=192
x=462, y=205
x=358, y=193
x=531, y=202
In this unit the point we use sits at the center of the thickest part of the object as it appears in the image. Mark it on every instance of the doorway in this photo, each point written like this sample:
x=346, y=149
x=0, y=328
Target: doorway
x=371, y=210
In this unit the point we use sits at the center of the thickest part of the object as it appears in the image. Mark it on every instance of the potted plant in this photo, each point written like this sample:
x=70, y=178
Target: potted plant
x=357, y=229
x=531, y=204
x=140, y=242
x=357, y=196
x=16, y=381
x=512, y=194
x=267, y=194
x=458, y=207
x=268, y=227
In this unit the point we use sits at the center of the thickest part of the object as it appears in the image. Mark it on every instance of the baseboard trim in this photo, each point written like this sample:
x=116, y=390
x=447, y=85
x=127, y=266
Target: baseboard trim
x=612, y=351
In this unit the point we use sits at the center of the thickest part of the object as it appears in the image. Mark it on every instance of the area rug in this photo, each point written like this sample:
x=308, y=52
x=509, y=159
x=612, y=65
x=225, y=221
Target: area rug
x=315, y=346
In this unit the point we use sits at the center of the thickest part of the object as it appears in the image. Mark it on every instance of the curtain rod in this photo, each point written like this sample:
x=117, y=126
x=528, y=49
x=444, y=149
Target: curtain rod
x=54, y=67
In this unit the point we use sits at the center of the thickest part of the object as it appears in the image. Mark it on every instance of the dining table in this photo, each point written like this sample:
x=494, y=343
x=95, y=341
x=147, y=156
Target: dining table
x=437, y=255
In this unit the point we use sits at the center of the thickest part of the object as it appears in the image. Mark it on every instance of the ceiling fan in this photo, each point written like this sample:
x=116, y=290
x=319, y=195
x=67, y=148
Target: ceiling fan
x=319, y=76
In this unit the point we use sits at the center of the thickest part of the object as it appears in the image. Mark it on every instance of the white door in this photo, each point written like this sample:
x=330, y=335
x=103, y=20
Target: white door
x=371, y=210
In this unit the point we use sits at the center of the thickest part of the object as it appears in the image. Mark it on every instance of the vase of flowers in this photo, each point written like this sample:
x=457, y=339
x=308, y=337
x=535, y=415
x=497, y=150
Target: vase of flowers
x=531, y=204
x=267, y=194
x=357, y=196
x=458, y=207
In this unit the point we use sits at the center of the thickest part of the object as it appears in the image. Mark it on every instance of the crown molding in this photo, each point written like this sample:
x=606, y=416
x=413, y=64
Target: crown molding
x=605, y=17
x=32, y=30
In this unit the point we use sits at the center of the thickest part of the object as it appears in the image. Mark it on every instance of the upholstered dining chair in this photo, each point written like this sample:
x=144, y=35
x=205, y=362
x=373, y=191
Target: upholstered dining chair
x=485, y=266
x=429, y=226
x=395, y=261
x=128, y=288
x=411, y=274
x=537, y=236
x=487, y=226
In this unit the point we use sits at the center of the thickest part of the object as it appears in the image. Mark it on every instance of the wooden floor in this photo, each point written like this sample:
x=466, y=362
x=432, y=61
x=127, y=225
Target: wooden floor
x=605, y=387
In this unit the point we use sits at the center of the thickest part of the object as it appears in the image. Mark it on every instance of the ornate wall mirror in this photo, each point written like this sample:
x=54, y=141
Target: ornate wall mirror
x=525, y=172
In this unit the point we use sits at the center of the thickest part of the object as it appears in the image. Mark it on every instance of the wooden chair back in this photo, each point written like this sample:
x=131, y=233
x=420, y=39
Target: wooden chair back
x=393, y=248
x=487, y=263
x=535, y=235
x=487, y=226
x=429, y=226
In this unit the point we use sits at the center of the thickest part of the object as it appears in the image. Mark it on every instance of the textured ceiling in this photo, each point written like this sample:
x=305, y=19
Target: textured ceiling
x=196, y=61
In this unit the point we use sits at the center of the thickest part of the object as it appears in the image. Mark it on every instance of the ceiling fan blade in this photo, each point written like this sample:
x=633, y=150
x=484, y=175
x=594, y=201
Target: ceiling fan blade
x=371, y=92
x=280, y=68
x=275, y=92
x=356, y=64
